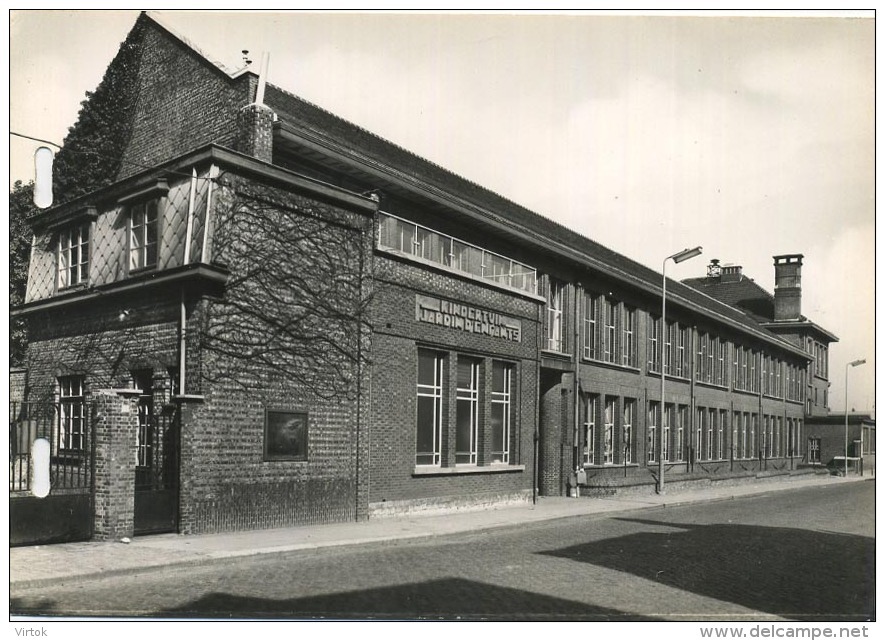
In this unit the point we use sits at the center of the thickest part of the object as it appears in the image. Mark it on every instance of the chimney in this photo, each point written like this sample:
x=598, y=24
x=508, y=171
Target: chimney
x=255, y=122
x=713, y=269
x=731, y=274
x=787, y=287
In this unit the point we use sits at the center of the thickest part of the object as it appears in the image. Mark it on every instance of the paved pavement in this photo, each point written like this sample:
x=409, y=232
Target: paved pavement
x=48, y=564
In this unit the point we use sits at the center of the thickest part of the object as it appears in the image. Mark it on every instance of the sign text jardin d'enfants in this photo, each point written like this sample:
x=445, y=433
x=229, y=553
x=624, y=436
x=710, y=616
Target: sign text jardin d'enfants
x=467, y=318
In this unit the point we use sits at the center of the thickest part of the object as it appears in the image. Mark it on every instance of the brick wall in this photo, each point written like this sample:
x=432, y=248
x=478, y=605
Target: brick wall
x=395, y=484
x=183, y=103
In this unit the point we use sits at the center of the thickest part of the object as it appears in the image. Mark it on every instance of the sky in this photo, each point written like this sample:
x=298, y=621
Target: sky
x=750, y=135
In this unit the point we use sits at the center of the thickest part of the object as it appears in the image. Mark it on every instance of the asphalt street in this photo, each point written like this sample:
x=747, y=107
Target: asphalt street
x=800, y=554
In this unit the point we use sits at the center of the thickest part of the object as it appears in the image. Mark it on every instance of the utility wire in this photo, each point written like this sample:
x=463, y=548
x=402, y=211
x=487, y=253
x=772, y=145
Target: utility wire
x=100, y=155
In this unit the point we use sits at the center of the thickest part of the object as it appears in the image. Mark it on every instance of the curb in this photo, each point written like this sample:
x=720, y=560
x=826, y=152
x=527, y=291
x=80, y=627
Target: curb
x=226, y=555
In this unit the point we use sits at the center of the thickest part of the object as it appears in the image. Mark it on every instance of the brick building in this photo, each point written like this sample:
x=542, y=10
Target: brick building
x=287, y=319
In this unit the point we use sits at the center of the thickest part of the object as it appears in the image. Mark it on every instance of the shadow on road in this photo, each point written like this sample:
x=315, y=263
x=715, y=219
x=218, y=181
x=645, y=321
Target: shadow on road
x=447, y=599
x=794, y=573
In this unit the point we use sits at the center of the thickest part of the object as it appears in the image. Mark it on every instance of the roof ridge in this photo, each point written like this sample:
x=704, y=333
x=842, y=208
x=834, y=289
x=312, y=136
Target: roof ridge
x=161, y=22
x=414, y=155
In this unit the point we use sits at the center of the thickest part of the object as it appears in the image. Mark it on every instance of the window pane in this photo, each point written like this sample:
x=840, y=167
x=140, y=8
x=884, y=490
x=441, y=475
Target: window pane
x=427, y=368
x=464, y=431
x=426, y=419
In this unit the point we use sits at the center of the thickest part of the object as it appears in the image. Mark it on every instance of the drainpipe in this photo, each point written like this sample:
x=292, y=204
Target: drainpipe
x=577, y=359
x=182, y=333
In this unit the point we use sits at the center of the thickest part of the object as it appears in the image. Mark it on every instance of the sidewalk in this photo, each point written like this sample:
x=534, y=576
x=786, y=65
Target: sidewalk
x=46, y=564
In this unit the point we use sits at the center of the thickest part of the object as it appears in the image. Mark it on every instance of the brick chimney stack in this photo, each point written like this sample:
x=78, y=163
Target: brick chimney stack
x=255, y=120
x=255, y=131
x=787, y=287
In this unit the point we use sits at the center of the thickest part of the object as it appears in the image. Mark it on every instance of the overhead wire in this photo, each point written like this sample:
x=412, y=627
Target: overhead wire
x=100, y=155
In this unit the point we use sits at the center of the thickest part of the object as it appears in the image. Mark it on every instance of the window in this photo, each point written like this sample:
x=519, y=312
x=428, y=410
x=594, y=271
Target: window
x=429, y=420
x=654, y=342
x=73, y=256
x=754, y=421
x=467, y=411
x=814, y=450
x=680, y=365
x=668, y=349
x=285, y=435
x=681, y=421
x=590, y=429
x=651, y=431
x=736, y=435
x=407, y=238
x=591, y=336
x=71, y=414
x=797, y=438
x=627, y=430
x=769, y=435
x=608, y=440
x=720, y=439
x=143, y=380
x=721, y=374
x=711, y=420
x=609, y=330
x=628, y=334
x=502, y=381
x=665, y=435
x=554, y=316
x=700, y=451
x=143, y=235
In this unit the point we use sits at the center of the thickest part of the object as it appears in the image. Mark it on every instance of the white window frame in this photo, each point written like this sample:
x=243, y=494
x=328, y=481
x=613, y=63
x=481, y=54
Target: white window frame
x=72, y=254
x=591, y=335
x=469, y=395
x=433, y=391
x=555, y=329
x=590, y=409
x=503, y=398
x=628, y=334
x=139, y=235
x=651, y=429
x=608, y=431
x=627, y=430
x=71, y=414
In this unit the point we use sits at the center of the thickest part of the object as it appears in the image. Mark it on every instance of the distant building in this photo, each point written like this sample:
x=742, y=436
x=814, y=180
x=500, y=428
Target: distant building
x=780, y=313
x=827, y=437
x=271, y=316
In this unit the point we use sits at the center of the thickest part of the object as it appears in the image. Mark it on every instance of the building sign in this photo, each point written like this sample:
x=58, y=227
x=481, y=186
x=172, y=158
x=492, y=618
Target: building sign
x=467, y=318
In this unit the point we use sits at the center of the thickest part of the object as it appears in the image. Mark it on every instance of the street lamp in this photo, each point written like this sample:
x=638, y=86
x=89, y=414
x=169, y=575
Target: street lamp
x=678, y=257
x=847, y=366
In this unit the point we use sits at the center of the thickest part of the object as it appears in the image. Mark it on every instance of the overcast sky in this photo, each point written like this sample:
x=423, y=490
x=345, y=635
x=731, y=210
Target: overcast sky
x=750, y=136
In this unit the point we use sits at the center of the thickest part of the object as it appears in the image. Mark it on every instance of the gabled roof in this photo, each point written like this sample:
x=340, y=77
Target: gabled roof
x=360, y=147
x=748, y=296
x=744, y=294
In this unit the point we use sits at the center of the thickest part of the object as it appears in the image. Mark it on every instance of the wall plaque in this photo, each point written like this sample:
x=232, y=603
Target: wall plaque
x=467, y=318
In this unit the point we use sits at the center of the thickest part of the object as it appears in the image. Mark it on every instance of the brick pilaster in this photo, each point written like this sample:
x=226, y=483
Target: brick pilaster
x=116, y=427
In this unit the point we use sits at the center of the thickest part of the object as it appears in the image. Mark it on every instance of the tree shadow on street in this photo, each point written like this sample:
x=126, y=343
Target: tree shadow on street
x=443, y=599
x=793, y=573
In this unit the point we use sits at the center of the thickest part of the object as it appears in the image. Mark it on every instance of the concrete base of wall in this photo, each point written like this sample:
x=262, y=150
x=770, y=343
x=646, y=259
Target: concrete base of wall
x=447, y=504
x=687, y=482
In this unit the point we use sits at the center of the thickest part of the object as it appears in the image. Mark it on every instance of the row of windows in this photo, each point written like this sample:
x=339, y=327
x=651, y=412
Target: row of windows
x=402, y=236
x=821, y=358
x=610, y=426
x=72, y=249
x=776, y=436
x=483, y=430
x=609, y=335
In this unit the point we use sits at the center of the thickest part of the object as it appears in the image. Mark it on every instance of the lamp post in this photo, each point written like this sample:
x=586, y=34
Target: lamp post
x=678, y=257
x=847, y=366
